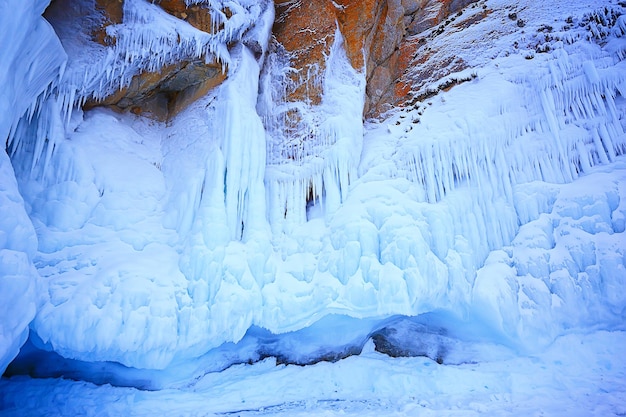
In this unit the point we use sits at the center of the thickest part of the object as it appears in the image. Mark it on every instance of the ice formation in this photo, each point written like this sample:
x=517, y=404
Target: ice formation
x=158, y=242
x=312, y=161
x=32, y=62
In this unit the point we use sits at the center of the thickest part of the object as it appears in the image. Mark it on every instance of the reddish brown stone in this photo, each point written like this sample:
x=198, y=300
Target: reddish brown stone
x=306, y=30
x=376, y=38
x=165, y=93
x=427, y=16
x=112, y=13
x=356, y=20
x=197, y=16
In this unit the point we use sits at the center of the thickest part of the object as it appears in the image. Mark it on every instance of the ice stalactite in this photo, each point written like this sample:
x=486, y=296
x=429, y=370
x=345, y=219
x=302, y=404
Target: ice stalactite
x=34, y=139
x=217, y=202
x=314, y=164
x=243, y=145
x=232, y=139
x=31, y=73
x=148, y=40
x=548, y=125
x=578, y=115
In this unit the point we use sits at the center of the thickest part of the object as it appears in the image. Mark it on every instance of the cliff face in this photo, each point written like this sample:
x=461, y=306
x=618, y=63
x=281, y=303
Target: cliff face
x=381, y=37
x=162, y=91
x=384, y=38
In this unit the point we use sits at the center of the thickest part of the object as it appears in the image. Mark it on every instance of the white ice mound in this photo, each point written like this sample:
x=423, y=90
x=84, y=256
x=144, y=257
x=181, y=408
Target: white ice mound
x=18, y=276
x=157, y=242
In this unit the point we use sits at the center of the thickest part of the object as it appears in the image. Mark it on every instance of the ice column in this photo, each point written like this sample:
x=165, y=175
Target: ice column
x=243, y=145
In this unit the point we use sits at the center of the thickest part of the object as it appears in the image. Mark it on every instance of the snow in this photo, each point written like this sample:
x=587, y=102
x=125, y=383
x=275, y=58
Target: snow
x=578, y=375
x=483, y=227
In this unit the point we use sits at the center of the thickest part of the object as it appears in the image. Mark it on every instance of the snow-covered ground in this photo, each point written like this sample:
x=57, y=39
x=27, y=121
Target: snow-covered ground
x=578, y=375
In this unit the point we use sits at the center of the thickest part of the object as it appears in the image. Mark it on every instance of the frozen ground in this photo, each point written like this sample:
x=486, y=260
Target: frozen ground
x=578, y=375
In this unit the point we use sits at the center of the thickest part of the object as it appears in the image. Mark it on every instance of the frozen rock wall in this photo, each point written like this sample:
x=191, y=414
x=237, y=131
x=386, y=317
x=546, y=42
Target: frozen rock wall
x=255, y=208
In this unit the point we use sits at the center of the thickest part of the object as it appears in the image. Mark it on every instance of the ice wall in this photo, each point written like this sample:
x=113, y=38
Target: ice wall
x=563, y=270
x=129, y=210
x=480, y=155
x=160, y=241
x=32, y=62
x=18, y=276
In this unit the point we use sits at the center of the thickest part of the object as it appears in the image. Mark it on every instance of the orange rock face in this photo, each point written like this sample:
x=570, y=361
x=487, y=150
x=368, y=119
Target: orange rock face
x=356, y=20
x=306, y=31
x=377, y=36
x=428, y=63
x=383, y=38
x=196, y=15
x=112, y=12
x=165, y=93
x=397, y=49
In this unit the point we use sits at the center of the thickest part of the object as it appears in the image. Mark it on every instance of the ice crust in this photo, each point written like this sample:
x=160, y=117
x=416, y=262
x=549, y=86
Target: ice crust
x=499, y=202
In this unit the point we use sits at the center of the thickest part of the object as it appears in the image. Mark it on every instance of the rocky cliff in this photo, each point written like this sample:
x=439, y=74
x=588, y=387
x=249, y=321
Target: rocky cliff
x=383, y=38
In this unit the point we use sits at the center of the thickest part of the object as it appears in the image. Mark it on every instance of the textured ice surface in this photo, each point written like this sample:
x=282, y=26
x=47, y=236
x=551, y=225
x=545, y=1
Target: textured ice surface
x=499, y=202
x=32, y=59
x=565, y=269
x=18, y=277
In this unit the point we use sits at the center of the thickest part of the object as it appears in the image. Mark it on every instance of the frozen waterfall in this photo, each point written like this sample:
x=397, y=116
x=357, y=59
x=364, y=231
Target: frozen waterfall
x=500, y=203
